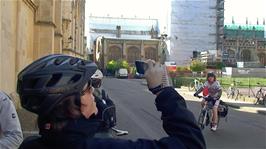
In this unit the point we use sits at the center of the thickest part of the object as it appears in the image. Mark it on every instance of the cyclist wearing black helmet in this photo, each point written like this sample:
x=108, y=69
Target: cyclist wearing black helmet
x=214, y=93
x=58, y=89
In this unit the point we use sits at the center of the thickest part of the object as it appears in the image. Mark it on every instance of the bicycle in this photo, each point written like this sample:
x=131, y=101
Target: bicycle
x=233, y=90
x=206, y=114
x=195, y=85
x=261, y=96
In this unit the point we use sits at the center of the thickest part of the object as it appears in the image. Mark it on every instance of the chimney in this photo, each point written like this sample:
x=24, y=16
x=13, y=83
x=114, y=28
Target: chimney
x=152, y=33
x=118, y=31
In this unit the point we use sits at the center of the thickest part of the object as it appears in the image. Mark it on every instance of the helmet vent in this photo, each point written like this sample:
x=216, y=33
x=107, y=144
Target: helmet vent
x=75, y=78
x=59, y=60
x=31, y=83
x=55, y=78
x=73, y=61
x=43, y=65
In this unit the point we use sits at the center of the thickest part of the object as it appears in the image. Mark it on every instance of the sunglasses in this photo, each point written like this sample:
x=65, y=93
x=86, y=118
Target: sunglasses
x=96, y=83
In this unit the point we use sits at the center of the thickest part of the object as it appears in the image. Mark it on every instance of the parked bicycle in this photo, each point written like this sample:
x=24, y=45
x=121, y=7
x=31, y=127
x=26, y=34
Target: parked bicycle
x=195, y=85
x=233, y=91
x=206, y=114
x=261, y=95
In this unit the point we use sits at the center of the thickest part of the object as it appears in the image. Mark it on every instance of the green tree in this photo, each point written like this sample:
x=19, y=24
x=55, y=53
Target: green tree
x=197, y=66
x=112, y=66
x=123, y=64
x=219, y=65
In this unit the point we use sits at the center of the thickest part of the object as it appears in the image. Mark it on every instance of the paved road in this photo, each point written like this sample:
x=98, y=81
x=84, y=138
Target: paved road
x=137, y=114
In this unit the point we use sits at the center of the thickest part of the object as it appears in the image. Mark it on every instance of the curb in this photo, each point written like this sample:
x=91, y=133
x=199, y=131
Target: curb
x=261, y=112
x=232, y=105
x=144, y=83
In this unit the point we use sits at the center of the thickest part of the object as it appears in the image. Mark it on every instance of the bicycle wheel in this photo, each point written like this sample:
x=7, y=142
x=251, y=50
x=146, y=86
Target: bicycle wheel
x=201, y=120
x=218, y=121
x=229, y=92
x=264, y=100
x=191, y=87
x=199, y=85
x=258, y=94
x=235, y=94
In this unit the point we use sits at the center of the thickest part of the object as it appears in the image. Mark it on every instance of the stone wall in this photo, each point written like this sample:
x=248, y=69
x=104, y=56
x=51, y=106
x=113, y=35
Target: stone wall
x=245, y=72
x=31, y=29
x=249, y=72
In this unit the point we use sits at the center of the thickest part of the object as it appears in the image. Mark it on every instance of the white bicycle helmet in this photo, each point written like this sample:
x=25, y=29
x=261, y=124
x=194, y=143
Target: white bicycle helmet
x=96, y=79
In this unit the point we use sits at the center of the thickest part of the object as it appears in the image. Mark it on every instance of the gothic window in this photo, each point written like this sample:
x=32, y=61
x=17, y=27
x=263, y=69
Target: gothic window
x=231, y=53
x=151, y=53
x=246, y=56
x=133, y=54
x=262, y=58
x=114, y=53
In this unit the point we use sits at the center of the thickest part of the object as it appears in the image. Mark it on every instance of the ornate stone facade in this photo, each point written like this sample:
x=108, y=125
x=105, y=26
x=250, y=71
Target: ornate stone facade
x=108, y=49
x=33, y=28
x=129, y=39
x=244, y=44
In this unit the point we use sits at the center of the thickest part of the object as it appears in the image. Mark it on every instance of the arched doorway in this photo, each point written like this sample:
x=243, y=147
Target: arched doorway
x=114, y=53
x=262, y=58
x=246, y=56
x=231, y=56
x=133, y=54
x=151, y=53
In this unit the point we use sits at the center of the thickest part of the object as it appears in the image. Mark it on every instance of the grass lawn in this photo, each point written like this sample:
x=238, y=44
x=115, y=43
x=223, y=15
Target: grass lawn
x=243, y=82
x=225, y=81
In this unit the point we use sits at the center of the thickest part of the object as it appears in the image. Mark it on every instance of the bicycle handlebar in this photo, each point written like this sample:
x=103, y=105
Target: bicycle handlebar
x=199, y=96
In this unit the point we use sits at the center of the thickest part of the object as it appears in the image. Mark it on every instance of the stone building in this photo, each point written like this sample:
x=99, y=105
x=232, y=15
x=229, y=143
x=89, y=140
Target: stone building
x=109, y=48
x=129, y=39
x=244, y=43
x=33, y=28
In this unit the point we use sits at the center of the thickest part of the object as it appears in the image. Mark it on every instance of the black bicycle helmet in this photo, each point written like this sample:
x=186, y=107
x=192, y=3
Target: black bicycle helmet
x=211, y=74
x=46, y=81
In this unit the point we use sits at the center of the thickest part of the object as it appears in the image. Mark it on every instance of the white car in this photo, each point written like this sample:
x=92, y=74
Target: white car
x=122, y=73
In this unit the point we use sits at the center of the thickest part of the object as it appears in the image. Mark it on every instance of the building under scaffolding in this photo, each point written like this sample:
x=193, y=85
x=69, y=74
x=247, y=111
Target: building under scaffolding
x=196, y=25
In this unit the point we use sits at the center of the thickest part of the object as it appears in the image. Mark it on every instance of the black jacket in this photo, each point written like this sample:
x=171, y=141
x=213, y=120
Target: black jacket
x=178, y=122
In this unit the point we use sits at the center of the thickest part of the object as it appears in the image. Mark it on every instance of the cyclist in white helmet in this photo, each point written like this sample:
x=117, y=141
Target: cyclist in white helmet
x=214, y=92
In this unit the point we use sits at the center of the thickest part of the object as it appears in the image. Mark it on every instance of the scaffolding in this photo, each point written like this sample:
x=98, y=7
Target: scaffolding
x=196, y=25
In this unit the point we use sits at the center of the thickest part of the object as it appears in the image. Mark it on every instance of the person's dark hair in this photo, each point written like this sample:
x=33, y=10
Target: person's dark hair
x=211, y=74
x=64, y=111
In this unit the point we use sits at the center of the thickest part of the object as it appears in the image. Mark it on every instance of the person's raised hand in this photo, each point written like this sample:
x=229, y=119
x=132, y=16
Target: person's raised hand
x=153, y=74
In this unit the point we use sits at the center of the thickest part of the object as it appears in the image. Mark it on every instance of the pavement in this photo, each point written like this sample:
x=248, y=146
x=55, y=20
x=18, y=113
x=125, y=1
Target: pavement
x=243, y=103
x=137, y=114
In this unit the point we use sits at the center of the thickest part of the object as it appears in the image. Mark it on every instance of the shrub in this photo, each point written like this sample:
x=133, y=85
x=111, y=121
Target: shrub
x=197, y=66
x=182, y=68
x=112, y=66
x=123, y=64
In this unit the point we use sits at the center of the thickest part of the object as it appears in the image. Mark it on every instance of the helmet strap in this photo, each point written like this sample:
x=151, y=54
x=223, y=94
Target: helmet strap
x=77, y=100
